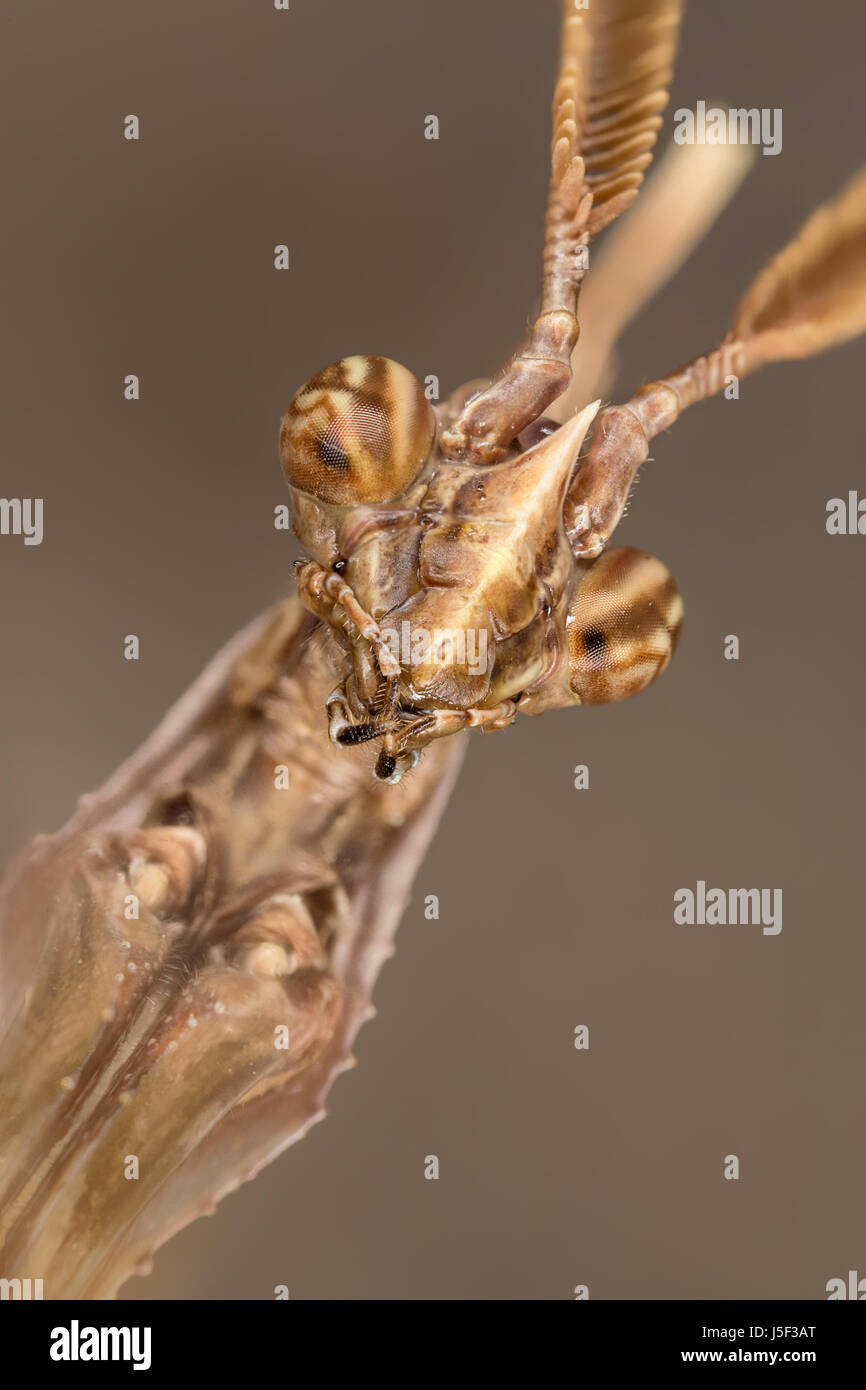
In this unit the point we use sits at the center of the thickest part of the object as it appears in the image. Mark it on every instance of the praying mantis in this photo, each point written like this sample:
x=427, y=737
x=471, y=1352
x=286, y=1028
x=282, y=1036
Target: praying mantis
x=479, y=518
x=266, y=836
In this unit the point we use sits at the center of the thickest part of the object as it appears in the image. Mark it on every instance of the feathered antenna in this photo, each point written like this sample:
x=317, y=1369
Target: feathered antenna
x=616, y=64
x=811, y=296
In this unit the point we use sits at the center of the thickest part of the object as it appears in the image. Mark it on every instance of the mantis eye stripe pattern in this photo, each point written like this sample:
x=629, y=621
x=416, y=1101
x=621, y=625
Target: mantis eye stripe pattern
x=358, y=432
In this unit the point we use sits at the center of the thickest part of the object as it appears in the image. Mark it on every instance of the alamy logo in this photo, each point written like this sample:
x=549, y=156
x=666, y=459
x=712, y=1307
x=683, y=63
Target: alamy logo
x=855, y=1287
x=738, y=126
x=846, y=517
x=22, y=516
x=415, y=646
x=21, y=1288
x=719, y=907
x=75, y=1343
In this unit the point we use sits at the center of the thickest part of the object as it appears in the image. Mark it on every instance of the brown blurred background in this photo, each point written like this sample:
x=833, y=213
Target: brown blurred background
x=558, y=1167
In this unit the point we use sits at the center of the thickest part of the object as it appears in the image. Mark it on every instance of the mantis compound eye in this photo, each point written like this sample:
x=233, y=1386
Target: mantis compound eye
x=622, y=627
x=358, y=432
